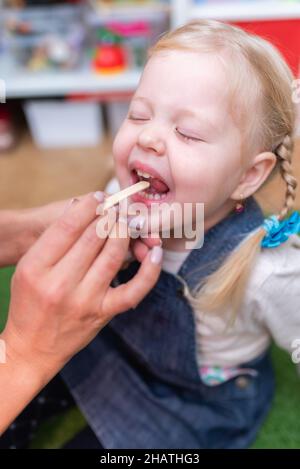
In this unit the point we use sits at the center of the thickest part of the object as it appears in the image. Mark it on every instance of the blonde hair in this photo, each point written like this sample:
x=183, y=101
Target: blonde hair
x=271, y=128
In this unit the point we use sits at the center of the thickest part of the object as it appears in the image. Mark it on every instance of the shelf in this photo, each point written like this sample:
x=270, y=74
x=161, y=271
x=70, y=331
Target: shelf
x=246, y=11
x=128, y=11
x=65, y=83
x=23, y=84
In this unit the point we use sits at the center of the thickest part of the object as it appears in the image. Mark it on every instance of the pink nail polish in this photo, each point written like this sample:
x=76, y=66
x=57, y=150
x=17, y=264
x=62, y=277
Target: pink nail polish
x=99, y=196
x=156, y=254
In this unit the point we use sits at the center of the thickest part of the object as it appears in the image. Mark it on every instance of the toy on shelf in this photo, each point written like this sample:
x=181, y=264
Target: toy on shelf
x=38, y=39
x=136, y=37
x=137, y=23
x=109, y=54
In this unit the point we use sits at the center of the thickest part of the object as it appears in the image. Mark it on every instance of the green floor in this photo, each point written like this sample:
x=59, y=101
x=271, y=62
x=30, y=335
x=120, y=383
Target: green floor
x=281, y=429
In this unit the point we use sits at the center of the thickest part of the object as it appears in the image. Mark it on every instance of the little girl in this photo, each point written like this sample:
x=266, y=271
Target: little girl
x=211, y=120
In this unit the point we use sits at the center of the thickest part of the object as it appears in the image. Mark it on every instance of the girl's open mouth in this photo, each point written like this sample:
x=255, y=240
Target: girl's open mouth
x=157, y=191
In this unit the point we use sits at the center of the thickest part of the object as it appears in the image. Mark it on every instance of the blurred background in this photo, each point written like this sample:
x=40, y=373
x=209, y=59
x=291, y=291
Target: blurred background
x=69, y=68
x=67, y=72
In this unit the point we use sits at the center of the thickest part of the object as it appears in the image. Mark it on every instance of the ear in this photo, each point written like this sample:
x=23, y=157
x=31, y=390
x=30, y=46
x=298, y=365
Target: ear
x=255, y=175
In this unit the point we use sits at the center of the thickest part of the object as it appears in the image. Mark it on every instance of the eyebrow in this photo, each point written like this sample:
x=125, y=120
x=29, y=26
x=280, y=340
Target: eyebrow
x=200, y=117
x=182, y=112
x=141, y=98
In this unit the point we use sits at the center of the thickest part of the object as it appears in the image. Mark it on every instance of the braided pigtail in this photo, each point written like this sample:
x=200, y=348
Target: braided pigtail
x=284, y=153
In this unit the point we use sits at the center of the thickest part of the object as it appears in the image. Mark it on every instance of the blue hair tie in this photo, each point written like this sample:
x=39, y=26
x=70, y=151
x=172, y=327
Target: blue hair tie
x=278, y=232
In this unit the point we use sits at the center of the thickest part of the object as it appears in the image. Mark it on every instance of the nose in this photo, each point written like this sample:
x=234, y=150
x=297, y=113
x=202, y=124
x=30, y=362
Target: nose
x=149, y=140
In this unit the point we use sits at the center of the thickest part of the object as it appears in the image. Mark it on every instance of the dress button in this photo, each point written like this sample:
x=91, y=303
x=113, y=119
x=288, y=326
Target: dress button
x=179, y=292
x=242, y=382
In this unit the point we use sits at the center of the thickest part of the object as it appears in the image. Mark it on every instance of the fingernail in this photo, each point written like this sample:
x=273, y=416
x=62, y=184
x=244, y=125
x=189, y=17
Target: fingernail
x=70, y=203
x=137, y=223
x=156, y=255
x=99, y=196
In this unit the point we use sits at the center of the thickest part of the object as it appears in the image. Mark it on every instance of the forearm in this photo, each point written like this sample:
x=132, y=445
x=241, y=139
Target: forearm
x=21, y=379
x=18, y=231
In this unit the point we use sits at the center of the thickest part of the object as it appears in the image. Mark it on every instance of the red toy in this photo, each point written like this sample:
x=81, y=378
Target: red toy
x=109, y=54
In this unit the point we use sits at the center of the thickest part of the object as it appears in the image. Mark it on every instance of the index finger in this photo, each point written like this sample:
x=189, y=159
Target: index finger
x=128, y=295
x=56, y=241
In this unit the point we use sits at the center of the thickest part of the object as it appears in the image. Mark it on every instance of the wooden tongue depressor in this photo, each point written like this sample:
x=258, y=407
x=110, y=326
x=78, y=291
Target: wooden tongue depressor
x=127, y=192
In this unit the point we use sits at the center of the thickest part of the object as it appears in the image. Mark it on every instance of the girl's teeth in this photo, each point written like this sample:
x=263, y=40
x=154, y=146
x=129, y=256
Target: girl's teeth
x=151, y=196
x=143, y=174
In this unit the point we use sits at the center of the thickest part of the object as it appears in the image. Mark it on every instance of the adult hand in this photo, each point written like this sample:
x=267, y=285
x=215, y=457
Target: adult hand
x=140, y=247
x=61, y=293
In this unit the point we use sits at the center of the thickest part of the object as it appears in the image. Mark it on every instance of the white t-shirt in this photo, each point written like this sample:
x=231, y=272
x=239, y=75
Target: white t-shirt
x=173, y=260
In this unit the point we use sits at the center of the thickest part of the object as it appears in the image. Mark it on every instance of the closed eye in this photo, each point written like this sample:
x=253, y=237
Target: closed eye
x=132, y=118
x=187, y=137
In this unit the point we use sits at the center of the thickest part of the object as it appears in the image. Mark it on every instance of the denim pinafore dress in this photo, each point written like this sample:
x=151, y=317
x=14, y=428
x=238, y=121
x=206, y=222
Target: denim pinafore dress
x=138, y=382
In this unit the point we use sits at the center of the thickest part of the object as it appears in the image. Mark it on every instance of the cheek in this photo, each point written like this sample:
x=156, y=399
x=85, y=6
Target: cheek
x=121, y=145
x=206, y=177
x=121, y=148
x=193, y=180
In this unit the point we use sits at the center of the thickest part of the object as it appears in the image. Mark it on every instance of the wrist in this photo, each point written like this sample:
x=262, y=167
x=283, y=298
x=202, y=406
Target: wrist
x=24, y=364
x=20, y=382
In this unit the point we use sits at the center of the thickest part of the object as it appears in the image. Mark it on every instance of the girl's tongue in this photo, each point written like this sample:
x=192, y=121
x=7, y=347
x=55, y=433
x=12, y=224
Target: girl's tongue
x=156, y=185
